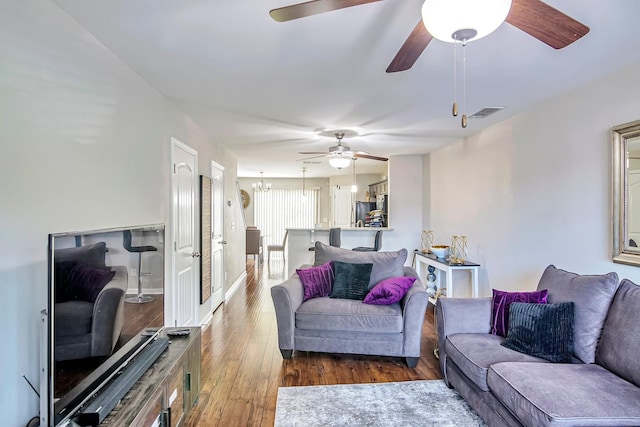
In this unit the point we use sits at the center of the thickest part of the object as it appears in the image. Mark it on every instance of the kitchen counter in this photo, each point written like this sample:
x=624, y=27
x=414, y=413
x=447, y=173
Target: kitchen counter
x=301, y=241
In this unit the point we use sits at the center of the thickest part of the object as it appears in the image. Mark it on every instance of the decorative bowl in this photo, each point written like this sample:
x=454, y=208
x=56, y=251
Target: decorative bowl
x=440, y=251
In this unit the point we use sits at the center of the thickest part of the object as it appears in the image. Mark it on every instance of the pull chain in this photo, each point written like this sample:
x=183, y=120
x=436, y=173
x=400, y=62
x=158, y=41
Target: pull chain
x=454, y=108
x=463, y=122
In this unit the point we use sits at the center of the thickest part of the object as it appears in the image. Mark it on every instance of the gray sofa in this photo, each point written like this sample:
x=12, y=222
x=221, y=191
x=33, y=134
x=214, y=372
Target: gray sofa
x=601, y=387
x=88, y=316
x=349, y=326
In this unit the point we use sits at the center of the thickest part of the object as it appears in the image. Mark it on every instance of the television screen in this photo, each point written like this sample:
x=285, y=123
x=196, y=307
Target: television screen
x=106, y=295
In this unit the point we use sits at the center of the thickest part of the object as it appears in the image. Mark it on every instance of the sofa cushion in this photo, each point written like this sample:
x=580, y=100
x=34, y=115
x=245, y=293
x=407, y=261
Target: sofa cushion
x=592, y=295
x=541, y=330
x=316, y=281
x=558, y=394
x=385, y=264
x=351, y=281
x=326, y=314
x=92, y=255
x=502, y=301
x=75, y=280
x=389, y=290
x=473, y=354
x=73, y=318
x=619, y=345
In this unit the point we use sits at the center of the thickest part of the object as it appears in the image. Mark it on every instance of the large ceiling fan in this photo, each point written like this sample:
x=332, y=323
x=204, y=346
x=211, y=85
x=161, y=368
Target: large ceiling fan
x=340, y=155
x=534, y=17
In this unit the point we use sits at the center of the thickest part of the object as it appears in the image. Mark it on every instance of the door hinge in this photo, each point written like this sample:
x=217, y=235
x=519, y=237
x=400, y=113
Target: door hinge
x=174, y=168
x=175, y=246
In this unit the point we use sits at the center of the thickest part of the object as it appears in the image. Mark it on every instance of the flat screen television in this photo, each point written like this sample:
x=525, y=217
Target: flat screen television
x=105, y=304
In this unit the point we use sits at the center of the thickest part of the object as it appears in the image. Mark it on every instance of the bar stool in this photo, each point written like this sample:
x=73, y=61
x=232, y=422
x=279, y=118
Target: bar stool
x=126, y=242
x=334, y=237
x=376, y=246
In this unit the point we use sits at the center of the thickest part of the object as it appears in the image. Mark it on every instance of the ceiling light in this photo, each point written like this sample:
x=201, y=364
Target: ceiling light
x=339, y=162
x=463, y=20
x=261, y=186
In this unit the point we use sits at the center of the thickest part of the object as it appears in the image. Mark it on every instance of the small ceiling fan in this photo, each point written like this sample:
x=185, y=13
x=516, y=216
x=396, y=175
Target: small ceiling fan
x=340, y=155
x=534, y=17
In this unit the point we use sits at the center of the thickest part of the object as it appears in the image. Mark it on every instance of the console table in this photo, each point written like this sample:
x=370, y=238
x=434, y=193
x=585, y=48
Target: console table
x=421, y=260
x=168, y=389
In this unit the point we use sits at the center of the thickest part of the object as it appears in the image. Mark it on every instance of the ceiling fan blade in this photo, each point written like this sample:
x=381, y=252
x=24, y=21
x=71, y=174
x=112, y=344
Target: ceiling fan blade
x=312, y=152
x=315, y=7
x=310, y=158
x=545, y=23
x=411, y=49
x=368, y=156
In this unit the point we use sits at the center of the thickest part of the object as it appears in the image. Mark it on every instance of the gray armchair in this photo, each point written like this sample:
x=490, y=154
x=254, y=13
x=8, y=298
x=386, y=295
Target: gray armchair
x=349, y=326
x=89, y=308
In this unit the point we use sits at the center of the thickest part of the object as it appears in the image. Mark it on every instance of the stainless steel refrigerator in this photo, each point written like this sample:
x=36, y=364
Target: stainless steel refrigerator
x=362, y=211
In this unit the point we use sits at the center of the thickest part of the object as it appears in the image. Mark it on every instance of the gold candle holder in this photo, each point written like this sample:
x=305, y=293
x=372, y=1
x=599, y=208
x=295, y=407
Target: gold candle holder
x=426, y=241
x=458, y=250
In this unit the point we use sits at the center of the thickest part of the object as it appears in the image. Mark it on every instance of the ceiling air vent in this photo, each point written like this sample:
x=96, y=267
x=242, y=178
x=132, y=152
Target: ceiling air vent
x=487, y=111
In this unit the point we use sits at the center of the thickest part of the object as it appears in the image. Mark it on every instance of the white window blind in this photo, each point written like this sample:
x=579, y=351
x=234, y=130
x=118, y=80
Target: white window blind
x=282, y=208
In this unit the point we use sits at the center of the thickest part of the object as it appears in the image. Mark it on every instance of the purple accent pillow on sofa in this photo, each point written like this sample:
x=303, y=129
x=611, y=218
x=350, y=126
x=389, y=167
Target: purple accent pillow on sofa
x=500, y=307
x=316, y=281
x=389, y=290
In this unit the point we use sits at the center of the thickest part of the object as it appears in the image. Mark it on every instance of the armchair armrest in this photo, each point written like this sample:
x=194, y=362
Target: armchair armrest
x=414, y=306
x=287, y=297
x=108, y=314
x=461, y=316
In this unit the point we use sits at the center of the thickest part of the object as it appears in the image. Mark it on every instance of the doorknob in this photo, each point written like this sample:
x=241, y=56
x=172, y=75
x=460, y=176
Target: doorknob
x=195, y=254
x=222, y=242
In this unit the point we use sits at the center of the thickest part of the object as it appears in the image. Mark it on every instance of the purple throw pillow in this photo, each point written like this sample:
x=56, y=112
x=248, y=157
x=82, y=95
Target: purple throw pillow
x=500, y=307
x=316, y=281
x=389, y=290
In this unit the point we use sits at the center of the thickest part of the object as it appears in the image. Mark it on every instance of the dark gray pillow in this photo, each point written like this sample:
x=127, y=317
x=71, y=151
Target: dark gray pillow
x=92, y=255
x=385, y=264
x=592, y=295
x=618, y=347
x=541, y=330
x=351, y=280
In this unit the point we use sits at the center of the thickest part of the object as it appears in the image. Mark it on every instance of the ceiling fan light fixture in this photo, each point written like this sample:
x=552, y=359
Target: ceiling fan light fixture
x=444, y=18
x=339, y=162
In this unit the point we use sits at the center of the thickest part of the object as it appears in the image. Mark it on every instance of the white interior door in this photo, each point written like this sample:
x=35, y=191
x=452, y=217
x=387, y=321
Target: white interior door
x=342, y=207
x=217, y=234
x=185, y=242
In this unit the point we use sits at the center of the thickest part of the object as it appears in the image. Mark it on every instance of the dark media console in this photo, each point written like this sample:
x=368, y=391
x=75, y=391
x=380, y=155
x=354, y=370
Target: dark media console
x=167, y=390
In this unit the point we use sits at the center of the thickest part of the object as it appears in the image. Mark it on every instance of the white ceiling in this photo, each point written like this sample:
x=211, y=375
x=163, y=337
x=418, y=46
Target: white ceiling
x=265, y=89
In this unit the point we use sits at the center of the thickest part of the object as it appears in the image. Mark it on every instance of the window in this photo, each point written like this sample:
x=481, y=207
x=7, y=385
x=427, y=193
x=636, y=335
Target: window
x=282, y=208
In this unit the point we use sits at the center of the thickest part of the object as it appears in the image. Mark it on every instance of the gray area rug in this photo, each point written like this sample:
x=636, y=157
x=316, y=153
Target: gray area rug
x=411, y=403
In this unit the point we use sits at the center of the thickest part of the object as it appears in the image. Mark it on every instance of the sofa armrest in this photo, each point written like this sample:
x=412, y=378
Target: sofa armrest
x=287, y=297
x=461, y=316
x=414, y=306
x=108, y=314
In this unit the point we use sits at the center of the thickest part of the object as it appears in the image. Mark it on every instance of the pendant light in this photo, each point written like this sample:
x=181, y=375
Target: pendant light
x=261, y=186
x=304, y=194
x=354, y=186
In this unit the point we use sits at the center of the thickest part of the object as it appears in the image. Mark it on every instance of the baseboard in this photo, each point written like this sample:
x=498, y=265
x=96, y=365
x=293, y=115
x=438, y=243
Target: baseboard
x=236, y=285
x=207, y=319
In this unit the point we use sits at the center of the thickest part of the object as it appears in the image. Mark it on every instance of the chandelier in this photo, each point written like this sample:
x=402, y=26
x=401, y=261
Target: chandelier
x=261, y=186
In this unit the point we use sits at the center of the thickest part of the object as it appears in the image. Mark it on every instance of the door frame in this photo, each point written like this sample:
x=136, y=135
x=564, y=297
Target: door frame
x=219, y=167
x=170, y=303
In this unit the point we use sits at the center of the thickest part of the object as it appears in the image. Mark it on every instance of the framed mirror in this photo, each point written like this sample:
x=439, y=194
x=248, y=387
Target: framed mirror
x=626, y=193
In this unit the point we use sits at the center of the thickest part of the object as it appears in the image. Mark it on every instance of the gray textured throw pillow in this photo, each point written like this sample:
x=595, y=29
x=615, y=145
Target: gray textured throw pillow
x=385, y=264
x=592, y=295
x=351, y=280
x=541, y=330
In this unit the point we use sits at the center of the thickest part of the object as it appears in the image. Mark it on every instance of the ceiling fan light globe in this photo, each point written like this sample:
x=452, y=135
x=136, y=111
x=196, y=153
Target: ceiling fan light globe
x=339, y=162
x=442, y=18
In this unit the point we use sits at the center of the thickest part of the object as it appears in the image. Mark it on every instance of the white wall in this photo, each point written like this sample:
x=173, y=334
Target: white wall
x=535, y=189
x=405, y=204
x=85, y=145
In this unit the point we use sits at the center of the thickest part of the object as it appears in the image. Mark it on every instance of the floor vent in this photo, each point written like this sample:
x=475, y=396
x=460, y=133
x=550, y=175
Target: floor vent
x=487, y=111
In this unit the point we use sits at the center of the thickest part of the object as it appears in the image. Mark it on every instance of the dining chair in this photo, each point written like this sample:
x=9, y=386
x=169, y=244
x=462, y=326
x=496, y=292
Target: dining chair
x=277, y=248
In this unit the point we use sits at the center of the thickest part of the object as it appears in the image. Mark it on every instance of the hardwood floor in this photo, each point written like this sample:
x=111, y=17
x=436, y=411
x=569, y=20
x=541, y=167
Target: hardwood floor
x=242, y=367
